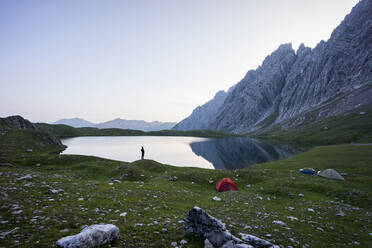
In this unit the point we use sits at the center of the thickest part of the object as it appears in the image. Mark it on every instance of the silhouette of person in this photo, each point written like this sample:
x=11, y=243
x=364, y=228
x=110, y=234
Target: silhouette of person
x=142, y=153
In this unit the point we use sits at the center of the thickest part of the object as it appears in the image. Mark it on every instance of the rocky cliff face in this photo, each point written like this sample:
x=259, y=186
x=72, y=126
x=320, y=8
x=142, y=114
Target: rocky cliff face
x=331, y=79
x=203, y=116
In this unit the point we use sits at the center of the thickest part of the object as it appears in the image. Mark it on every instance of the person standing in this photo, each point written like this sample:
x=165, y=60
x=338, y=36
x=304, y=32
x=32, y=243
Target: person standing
x=142, y=153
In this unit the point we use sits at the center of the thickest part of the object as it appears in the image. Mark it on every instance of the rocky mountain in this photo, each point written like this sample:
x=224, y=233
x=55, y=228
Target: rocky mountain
x=137, y=125
x=304, y=85
x=119, y=123
x=203, y=116
x=75, y=122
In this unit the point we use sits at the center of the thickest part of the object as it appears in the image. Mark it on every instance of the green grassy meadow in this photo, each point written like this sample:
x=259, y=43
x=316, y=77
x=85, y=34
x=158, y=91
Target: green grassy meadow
x=64, y=193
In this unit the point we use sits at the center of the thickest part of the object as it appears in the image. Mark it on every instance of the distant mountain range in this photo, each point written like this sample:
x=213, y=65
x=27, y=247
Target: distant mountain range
x=119, y=123
x=292, y=88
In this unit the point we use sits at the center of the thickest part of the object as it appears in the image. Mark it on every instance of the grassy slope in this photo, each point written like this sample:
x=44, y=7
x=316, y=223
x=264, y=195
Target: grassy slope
x=153, y=202
x=64, y=131
x=352, y=127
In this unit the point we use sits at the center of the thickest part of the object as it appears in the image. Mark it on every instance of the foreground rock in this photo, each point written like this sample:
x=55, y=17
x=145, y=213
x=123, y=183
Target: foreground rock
x=91, y=236
x=214, y=233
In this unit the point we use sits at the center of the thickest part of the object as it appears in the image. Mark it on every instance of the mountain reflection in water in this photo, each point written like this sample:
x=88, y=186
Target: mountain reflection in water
x=237, y=153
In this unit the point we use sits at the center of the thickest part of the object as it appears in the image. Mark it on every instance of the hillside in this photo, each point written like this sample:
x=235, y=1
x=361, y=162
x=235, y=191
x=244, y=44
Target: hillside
x=48, y=196
x=64, y=131
x=332, y=79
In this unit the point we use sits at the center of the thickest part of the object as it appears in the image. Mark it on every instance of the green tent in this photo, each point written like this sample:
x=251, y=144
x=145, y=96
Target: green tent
x=331, y=174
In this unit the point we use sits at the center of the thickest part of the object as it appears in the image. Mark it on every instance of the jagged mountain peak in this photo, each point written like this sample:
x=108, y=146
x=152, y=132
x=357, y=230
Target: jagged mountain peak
x=330, y=79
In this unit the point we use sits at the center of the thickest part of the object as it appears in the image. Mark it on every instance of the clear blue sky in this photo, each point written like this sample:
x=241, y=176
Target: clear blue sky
x=151, y=60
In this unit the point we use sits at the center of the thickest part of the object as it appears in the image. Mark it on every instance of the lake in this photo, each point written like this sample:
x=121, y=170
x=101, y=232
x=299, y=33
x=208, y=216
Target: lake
x=223, y=154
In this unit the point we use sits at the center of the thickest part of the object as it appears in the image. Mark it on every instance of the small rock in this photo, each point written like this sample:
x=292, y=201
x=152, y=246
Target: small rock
x=17, y=212
x=362, y=113
x=280, y=223
x=216, y=198
x=29, y=150
x=3, y=234
x=123, y=214
x=292, y=218
x=311, y=210
x=340, y=213
x=210, y=181
x=164, y=230
x=81, y=199
x=255, y=241
x=28, y=176
x=174, y=244
x=183, y=242
x=301, y=195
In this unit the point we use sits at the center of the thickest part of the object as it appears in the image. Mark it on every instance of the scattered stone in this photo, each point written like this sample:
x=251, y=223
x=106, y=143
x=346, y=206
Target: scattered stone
x=29, y=150
x=81, y=199
x=123, y=214
x=243, y=246
x=3, y=234
x=311, y=210
x=54, y=191
x=64, y=230
x=91, y=236
x=210, y=180
x=255, y=241
x=164, y=230
x=216, y=198
x=268, y=235
x=6, y=164
x=325, y=128
x=28, y=176
x=362, y=113
x=280, y=223
x=291, y=208
x=301, y=195
x=174, y=244
x=183, y=242
x=37, y=165
x=340, y=213
x=292, y=218
x=17, y=212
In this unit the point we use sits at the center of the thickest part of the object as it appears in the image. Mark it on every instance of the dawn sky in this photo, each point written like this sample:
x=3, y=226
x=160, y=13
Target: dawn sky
x=142, y=59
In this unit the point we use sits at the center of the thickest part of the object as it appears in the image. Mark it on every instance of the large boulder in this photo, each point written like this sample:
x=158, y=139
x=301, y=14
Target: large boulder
x=214, y=233
x=201, y=224
x=91, y=236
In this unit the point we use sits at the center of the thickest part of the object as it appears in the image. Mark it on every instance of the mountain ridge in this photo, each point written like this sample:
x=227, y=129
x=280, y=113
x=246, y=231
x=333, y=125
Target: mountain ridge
x=118, y=123
x=331, y=79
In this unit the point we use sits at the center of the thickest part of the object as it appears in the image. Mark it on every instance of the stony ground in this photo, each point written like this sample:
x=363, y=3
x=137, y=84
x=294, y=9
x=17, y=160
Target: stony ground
x=46, y=197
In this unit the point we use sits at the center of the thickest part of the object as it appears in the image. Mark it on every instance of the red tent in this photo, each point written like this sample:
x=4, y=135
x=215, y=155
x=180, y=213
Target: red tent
x=226, y=184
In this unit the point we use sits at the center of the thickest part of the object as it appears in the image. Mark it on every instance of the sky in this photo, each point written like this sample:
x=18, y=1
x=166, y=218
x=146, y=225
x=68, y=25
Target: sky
x=142, y=59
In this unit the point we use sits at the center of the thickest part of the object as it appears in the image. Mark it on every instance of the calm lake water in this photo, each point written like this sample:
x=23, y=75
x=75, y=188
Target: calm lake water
x=230, y=153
